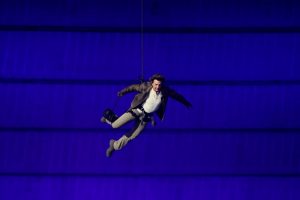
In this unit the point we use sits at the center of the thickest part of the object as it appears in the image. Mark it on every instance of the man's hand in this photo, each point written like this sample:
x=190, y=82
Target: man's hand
x=153, y=122
x=120, y=94
x=189, y=105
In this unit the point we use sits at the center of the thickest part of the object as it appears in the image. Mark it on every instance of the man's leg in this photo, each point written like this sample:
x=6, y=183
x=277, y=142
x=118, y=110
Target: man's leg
x=126, y=117
x=120, y=143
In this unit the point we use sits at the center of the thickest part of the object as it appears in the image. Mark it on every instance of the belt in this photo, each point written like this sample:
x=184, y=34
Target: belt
x=142, y=109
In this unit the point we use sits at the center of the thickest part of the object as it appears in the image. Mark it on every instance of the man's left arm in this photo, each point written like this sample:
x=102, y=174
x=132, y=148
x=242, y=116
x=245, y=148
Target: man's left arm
x=178, y=97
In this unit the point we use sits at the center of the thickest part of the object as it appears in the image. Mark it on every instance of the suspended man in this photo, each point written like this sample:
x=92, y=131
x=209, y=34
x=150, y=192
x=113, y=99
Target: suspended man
x=152, y=98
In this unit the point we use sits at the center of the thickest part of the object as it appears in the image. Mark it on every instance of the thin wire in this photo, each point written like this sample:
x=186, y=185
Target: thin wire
x=142, y=40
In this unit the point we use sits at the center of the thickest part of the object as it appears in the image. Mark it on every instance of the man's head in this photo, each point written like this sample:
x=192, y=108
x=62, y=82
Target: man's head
x=157, y=81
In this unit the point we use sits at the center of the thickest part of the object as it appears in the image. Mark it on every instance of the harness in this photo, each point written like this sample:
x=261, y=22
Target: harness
x=144, y=117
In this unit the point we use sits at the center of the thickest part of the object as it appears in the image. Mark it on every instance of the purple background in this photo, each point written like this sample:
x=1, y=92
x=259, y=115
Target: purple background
x=62, y=63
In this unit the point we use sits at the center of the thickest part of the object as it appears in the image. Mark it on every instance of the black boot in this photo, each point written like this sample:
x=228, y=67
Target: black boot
x=109, y=116
x=110, y=149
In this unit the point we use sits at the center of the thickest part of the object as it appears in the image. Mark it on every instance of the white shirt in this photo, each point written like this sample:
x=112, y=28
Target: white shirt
x=153, y=102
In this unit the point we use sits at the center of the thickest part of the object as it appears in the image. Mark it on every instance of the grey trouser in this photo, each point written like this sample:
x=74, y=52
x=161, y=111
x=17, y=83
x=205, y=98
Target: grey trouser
x=137, y=129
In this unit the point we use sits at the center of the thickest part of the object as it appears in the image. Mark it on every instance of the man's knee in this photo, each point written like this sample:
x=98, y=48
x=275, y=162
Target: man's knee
x=115, y=125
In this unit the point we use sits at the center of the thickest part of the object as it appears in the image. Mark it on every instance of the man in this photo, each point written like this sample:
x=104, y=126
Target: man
x=152, y=98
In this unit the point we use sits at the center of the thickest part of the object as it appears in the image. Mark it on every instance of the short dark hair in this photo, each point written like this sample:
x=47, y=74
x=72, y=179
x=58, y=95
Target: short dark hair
x=158, y=77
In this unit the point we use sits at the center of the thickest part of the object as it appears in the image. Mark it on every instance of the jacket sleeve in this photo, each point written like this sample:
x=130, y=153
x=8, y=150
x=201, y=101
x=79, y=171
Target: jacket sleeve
x=178, y=97
x=131, y=88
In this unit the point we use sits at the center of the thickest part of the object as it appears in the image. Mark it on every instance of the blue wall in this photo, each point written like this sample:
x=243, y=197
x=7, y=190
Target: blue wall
x=63, y=62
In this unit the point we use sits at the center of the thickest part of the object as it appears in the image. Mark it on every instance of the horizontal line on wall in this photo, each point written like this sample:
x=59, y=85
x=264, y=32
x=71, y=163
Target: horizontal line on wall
x=153, y=130
x=127, y=82
x=65, y=81
x=166, y=30
x=152, y=175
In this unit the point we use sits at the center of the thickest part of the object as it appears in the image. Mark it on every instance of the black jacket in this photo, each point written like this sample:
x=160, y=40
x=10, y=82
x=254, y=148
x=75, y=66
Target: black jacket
x=144, y=89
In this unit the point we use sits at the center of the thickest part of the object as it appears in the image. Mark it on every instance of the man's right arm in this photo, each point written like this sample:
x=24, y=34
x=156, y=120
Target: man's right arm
x=131, y=88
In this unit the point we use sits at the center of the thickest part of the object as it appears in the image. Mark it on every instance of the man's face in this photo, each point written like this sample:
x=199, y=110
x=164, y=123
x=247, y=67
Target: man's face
x=156, y=85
